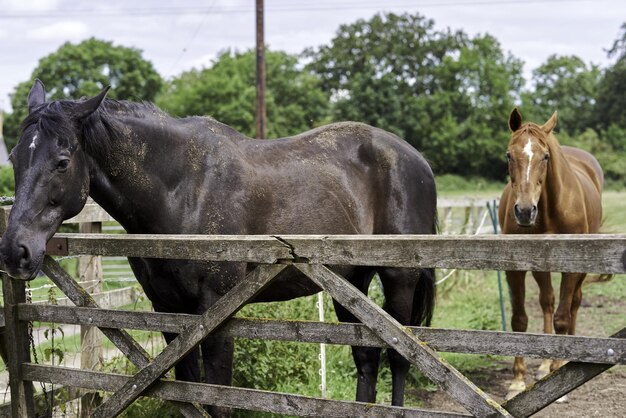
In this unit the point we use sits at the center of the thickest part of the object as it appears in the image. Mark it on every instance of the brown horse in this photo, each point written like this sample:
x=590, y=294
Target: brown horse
x=553, y=189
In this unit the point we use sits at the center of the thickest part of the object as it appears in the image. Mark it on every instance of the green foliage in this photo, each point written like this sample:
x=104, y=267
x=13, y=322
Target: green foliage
x=227, y=92
x=455, y=184
x=143, y=407
x=83, y=69
x=609, y=148
x=566, y=84
x=7, y=181
x=447, y=94
x=611, y=101
x=255, y=365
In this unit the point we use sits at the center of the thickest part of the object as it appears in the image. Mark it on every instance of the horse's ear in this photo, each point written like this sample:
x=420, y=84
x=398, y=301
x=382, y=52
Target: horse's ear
x=515, y=120
x=36, y=96
x=87, y=107
x=550, y=124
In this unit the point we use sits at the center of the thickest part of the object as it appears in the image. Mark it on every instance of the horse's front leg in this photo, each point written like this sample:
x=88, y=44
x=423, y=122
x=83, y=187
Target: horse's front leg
x=187, y=369
x=519, y=323
x=546, y=300
x=217, y=357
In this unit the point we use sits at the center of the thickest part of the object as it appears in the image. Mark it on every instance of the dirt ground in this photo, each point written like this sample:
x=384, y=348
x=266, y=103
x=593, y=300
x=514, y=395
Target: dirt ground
x=604, y=396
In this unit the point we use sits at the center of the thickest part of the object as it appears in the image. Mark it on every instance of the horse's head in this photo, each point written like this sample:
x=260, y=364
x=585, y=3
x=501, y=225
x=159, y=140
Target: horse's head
x=51, y=178
x=528, y=156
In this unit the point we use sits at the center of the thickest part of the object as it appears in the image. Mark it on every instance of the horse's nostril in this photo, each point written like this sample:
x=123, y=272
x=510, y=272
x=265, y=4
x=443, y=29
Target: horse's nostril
x=23, y=255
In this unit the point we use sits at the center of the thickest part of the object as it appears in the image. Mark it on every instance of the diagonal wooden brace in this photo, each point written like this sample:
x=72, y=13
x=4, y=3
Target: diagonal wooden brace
x=404, y=342
x=555, y=385
x=189, y=338
x=122, y=340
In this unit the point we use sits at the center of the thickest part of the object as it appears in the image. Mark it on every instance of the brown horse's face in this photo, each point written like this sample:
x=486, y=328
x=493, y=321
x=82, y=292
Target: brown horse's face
x=528, y=156
x=51, y=182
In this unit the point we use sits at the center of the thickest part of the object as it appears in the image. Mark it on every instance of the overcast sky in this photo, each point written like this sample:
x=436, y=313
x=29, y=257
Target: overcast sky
x=178, y=36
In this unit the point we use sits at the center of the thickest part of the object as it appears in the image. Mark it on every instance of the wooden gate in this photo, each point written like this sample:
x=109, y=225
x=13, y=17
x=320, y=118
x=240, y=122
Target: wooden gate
x=311, y=254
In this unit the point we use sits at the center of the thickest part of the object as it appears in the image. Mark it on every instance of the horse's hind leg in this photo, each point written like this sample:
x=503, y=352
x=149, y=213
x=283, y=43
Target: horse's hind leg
x=570, y=298
x=519, y=323
x=546, y=300
x=366, y=359
x=399, y=286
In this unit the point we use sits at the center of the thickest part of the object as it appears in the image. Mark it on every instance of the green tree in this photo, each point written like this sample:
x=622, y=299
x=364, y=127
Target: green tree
x=609, y=117
x=83, y=69
x=447, y=94
x=226, y=91
x=611, y=99
x=565, y=84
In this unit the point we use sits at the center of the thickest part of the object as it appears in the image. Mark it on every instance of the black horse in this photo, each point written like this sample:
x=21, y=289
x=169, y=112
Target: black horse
x=160, y=175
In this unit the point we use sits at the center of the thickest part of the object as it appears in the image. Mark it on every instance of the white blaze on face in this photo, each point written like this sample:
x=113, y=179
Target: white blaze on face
x=33, y=144
x=528, y=150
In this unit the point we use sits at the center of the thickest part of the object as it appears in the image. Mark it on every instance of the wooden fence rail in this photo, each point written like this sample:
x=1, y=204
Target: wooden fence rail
x=566, y=347
x=604, y=254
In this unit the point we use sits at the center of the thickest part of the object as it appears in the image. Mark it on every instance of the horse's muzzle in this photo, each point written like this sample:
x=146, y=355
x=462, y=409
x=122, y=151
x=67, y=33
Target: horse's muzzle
x=20, y=261
x=525, y=215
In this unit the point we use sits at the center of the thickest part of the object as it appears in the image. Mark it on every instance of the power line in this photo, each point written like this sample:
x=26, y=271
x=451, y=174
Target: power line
x=285, y=7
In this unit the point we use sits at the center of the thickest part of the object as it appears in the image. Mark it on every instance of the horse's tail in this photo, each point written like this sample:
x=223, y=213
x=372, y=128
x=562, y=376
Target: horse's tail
x=424, y=298
x=598, y=278
x=601, y=278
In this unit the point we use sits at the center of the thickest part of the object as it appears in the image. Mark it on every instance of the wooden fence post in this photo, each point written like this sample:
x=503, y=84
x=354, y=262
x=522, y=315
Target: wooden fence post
x=18, y=348
x=90, y=272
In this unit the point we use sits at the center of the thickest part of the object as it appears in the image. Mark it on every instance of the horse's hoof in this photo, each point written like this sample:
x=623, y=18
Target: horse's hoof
x=563, y=399
x=511, y=394
x=543, y=370
x=515, y=389
x=541, y=374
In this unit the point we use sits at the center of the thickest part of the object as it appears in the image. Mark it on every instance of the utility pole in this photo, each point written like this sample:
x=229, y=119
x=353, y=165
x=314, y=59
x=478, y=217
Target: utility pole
x=261, y=114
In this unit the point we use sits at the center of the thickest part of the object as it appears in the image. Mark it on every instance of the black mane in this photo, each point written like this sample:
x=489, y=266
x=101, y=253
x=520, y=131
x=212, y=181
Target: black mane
x=53, y=120
x=102, y=129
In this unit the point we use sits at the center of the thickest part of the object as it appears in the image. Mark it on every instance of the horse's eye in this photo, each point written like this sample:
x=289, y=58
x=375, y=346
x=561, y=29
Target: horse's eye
x=53, y=202
x=546, y=157
x=62, y=165
x=508, y=156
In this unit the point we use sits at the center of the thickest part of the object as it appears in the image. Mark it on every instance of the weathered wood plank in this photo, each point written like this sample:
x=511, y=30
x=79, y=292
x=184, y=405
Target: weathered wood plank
x=249, y=399
x=92, y=212
x=555, y=385
x=189, y=338
x=566, y=347
x=18, y=348
x=405, y=343
x=59, y=395
x=564, y=253
x=122, y=340
x=90, y=270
